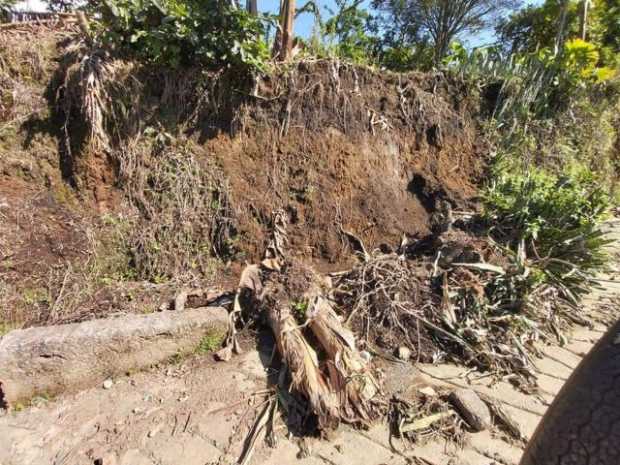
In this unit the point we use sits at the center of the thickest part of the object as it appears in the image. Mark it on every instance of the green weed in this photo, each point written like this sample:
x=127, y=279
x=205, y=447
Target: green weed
x=6, y=327
x=300, y=310
x=210, y=342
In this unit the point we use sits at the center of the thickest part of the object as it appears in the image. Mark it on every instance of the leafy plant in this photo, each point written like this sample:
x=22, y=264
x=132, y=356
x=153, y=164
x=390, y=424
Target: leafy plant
x=7, y=4
x=350, y=27
x=210, y=342
x=553, y=220
x=300, y=310
x=5, y=8
x=183, y=32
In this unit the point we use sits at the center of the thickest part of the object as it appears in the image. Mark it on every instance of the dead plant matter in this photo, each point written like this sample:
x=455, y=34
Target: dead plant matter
x=384, y=299
x=185, y=215
x=424, y=418
x=326, y=369
x=455, y=306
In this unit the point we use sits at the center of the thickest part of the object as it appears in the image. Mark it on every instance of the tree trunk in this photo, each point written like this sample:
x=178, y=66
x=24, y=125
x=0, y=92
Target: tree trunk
x=65, y=358
x=442, y=44
x=302, y=361
x=287, y=19
x=252, y=6
x=583, y=24
x=561, y=35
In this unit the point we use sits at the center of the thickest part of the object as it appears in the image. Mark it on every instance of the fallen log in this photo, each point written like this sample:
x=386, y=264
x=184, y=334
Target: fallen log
x=65, y=358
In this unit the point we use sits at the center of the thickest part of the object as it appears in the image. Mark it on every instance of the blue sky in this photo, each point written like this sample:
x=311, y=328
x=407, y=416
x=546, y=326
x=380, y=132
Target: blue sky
x=303, y=25
x=305, y=22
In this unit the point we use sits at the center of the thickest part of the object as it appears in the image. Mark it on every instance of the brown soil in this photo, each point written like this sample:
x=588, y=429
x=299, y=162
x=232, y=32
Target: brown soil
x=37, y=231
x=338, y=147
x=317, y=151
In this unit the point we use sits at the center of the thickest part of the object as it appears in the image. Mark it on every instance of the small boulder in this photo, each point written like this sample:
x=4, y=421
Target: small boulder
x=473, y=410
x=108, y=383
x=428, y=391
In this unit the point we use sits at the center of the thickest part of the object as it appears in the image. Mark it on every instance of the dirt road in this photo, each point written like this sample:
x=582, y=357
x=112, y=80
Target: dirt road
x=196, y=412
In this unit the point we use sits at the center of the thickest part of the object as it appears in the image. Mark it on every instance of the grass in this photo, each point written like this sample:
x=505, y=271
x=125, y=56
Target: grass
x=6, y=327
x=210, y=342
x=35, y=295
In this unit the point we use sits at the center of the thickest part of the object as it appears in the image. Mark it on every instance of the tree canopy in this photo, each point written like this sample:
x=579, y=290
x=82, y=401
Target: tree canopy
x=442, y=21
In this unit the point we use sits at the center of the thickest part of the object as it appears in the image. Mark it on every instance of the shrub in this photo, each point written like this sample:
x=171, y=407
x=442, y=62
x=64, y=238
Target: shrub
x=554, y=220
x=183, y=32
x=211, y=342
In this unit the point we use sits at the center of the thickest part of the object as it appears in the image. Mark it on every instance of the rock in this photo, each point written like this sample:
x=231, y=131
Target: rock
x=428, y=391
x=403, y=353
x=473, y=410
x=108, y=383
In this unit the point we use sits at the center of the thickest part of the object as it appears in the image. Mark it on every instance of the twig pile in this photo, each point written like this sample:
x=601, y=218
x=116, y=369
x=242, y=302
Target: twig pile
x=385, y=298
x=424, y=418
x=478, y=313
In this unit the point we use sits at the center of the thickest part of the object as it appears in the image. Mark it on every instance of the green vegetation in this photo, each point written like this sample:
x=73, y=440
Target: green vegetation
x=552, y=118
x=211, y=342
x=183, y=32
x=6, y=5
x=32, y=296
x=300, y=311
x=112, y=261
x=552, y=220
x=5, y=327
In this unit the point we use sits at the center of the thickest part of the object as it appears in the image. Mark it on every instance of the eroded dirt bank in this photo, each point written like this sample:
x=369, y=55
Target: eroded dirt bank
x=119, y=183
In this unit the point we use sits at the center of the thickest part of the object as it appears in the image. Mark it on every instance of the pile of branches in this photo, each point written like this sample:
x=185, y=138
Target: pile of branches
x=453, y=296
x=454, y=305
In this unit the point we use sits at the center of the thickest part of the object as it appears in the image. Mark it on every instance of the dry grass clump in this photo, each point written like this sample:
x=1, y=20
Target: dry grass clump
x=99, y=99
x=24, y=71
x=93, y=279
x=184, y=213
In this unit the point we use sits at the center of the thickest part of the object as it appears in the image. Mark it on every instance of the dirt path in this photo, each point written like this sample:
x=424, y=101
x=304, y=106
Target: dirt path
x=197, y=412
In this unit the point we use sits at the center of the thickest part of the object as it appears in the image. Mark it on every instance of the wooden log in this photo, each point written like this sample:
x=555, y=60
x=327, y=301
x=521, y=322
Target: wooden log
x=65, y=358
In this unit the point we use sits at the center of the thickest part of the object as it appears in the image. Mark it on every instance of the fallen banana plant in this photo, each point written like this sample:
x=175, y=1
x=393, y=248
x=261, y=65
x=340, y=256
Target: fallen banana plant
x=326, y=369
